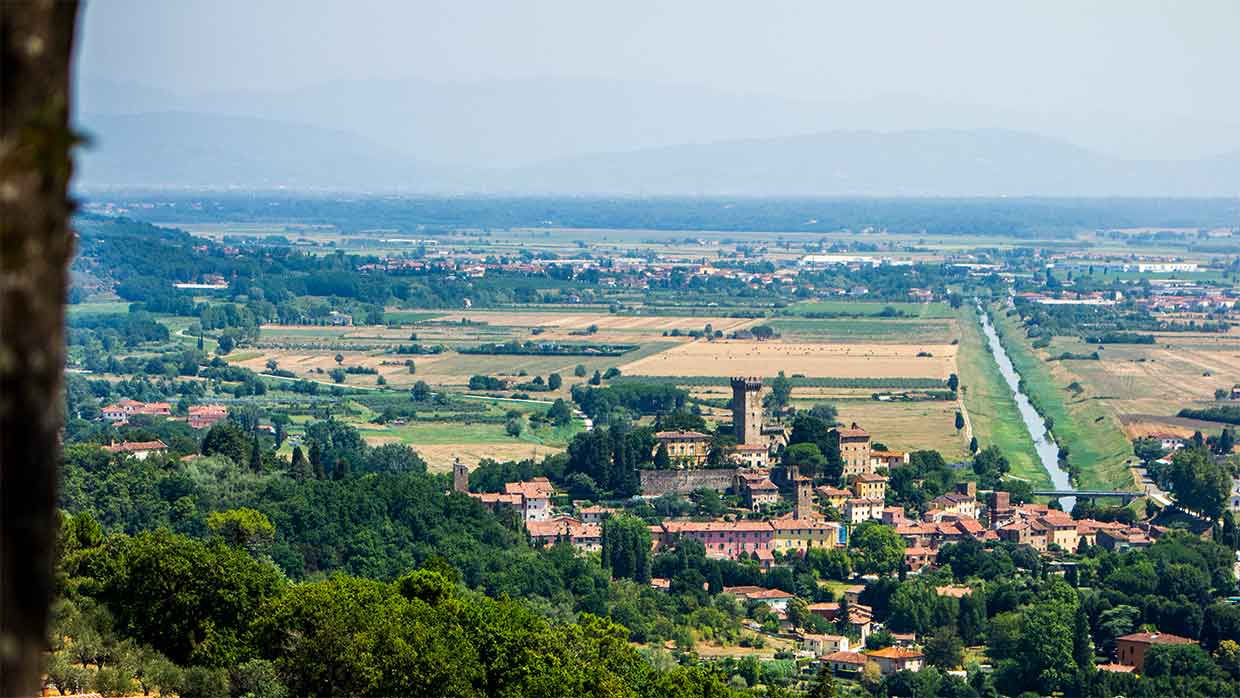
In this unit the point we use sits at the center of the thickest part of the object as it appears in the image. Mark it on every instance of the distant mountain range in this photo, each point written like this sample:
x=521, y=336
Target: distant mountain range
x=591, y=137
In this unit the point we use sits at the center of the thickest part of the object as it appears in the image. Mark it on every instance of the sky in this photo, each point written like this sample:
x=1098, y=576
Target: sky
x=1132, y=77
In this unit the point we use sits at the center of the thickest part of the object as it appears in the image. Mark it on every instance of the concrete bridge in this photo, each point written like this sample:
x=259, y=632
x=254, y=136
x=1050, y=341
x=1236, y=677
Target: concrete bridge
x=1126, y=496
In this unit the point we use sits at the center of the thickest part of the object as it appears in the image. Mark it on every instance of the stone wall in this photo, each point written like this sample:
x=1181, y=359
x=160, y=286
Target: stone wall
x=657, y=482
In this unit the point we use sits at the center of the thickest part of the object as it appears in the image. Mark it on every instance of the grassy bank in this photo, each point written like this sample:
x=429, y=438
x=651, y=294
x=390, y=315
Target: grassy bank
x=992, y=409
x=1097, y=446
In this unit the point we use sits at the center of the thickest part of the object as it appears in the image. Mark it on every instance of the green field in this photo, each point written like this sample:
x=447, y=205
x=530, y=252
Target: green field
x=1097, y=445
x=894, y=330
x=101, y=308
x=873, y=308
x=990, y=404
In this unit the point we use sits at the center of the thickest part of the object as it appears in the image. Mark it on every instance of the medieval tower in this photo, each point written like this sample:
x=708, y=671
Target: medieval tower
x=747, y=410
x=460, y=476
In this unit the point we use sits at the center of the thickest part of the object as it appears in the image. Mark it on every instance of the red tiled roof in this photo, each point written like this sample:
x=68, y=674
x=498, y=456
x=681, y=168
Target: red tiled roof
x=681, y=435
x=1157, y=639
x=845, y=658
x=132, y=446
x=894, y=652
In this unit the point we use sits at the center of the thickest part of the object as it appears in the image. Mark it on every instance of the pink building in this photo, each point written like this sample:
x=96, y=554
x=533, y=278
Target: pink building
x=723, y=539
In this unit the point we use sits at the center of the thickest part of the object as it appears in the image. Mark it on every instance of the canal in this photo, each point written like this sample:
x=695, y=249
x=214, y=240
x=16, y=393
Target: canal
x=1048, y=451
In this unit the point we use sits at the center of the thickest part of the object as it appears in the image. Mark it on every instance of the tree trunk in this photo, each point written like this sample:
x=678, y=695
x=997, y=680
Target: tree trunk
x=36, y=48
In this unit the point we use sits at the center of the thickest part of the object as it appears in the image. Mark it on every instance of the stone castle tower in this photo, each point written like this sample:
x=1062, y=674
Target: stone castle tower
x=460, y=476
x=747, y=410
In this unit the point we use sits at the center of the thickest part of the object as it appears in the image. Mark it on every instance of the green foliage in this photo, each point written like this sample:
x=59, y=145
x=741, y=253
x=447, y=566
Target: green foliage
x=226, y=438
x=1197, y=482
x=242, y=528
x=876, y=549
x=190, y=600
x=626, y=548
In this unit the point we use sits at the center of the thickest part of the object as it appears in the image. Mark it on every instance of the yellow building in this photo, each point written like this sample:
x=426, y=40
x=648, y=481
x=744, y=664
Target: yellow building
x=685, y=449
x=834, y=496
x=870, y=486
x=793, y=534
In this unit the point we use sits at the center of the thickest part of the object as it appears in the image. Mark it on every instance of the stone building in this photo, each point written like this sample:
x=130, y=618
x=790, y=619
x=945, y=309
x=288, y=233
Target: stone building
x=855, y=450
x=747, y=410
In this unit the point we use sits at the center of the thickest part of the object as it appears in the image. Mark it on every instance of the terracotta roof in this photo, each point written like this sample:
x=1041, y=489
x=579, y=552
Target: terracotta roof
x=1157, y=639
x=750, y=448
x=712, y=526
x=680, y=435
x=894, y=652
x=871, y=477
x=133, y=446
x=1116, y=668
x=753, y=592
x=846, y=658
x=538, y=487
x=853, y=433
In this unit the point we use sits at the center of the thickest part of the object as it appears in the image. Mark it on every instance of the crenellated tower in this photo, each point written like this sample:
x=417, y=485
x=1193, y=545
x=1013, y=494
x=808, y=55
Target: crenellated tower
x=747, y=410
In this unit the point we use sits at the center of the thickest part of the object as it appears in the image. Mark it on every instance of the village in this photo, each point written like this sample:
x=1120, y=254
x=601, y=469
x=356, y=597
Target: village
x=822, y=516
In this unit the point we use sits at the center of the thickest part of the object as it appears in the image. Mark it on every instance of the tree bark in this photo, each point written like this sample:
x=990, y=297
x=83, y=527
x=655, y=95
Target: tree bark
x=36, y=49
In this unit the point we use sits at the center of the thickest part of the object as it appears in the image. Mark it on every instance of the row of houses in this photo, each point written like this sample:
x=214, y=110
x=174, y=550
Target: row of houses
x=198, y=417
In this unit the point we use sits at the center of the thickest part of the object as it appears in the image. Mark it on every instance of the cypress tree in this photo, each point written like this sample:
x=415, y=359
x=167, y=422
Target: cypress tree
x=300, y=467
x=256, y=457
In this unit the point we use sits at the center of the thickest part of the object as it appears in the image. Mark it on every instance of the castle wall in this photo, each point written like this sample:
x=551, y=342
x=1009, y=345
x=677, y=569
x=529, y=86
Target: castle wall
x=658, y=482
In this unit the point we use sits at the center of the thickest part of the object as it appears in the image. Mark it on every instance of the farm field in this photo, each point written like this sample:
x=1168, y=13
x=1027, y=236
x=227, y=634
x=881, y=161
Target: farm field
x=896, y=330
x=905, y=426
x=989, y=403
x=767, y=359
x=1137, y=378
x=872, y=308
x=1086, y=423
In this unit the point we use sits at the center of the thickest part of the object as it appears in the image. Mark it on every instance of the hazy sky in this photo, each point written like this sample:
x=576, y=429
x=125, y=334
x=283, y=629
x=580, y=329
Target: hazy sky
x=1169, y=63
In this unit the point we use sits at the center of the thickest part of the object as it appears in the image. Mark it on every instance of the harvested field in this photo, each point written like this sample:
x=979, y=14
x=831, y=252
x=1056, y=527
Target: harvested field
x=905, y=426
x=604, y=321
x=1138, y=426
x=866, y=330
x=1137, y=379
x=439, y=457
x=767, y=359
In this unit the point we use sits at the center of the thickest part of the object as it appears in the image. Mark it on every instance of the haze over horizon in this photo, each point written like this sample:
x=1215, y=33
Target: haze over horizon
x=465, y=96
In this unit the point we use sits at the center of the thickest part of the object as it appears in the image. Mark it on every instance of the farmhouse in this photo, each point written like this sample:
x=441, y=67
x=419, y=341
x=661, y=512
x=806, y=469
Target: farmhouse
x=819, y=645
x=205, y=416
x=893, y=659
x=777, y=599
x=587, y=537
x=1130, y=649
x=844, y=661
x=138, y=449
x=119, y=412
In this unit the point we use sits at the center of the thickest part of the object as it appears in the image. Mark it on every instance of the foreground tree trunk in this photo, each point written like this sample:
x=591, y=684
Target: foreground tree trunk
x=36, y=48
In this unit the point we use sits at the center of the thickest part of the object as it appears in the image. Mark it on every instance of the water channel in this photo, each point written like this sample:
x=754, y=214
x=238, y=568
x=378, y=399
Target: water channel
x=1048, y=451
